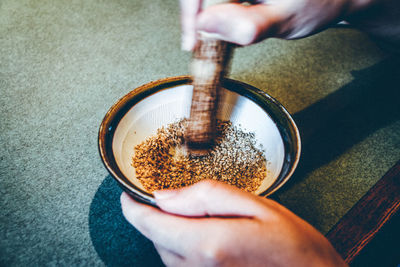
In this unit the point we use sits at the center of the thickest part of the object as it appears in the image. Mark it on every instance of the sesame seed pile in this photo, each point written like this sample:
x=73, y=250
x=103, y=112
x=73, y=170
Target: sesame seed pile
x=162, y=162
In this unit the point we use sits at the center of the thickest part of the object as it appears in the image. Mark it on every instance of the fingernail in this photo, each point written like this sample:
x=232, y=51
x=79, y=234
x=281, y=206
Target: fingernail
x=124, y=196
x=212, y=35
x=164, y=194
x=187, y=43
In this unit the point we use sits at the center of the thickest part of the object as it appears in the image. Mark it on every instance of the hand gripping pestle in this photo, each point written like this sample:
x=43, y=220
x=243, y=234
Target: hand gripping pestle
x=209, y=65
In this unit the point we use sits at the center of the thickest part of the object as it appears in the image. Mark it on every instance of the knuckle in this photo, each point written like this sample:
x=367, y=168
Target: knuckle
x=213, y=254
x=139, y=219
x=246, y=32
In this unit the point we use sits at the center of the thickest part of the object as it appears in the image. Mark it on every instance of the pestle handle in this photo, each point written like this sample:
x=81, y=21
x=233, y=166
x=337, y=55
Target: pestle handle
x=209, y=65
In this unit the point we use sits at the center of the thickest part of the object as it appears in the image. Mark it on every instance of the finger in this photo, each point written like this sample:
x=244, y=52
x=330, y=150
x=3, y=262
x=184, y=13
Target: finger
x=240, y=24
x=189, y=11
x=211, y=198
x=178, y=234
x=168, y=257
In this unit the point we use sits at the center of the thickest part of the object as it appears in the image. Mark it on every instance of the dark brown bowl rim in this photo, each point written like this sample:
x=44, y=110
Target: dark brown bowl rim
x=281, y=117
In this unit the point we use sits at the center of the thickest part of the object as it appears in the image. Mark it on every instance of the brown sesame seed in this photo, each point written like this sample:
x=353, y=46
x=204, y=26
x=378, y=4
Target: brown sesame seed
x=162, y=162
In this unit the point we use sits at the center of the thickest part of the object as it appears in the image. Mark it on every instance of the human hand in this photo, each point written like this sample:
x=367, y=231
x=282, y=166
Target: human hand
x=247, y=24
x=214, y=224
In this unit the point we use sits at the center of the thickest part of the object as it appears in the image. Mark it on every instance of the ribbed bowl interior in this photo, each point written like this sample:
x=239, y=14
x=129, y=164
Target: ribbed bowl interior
x=172, y=104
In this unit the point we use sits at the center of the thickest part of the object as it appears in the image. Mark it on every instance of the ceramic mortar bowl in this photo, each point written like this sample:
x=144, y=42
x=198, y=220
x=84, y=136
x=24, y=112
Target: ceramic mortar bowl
x=141, y=112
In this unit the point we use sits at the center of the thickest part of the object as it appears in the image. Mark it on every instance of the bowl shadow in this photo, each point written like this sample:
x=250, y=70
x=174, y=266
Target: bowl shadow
x=344, y=118
x=116, y=241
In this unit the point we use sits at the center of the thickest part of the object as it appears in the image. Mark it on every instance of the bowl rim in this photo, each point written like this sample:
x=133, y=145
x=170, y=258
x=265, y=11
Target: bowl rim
x=280, y=116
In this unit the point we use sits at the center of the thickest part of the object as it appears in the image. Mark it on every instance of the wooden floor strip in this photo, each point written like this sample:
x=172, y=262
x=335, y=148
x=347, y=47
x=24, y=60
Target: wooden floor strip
x=361, y=223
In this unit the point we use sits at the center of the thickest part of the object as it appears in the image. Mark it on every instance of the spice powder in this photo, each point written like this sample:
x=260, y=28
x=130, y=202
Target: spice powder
x=162, y=162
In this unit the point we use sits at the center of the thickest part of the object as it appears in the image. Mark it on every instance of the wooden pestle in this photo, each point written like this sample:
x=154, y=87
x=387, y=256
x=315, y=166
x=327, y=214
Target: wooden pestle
x=209, y=65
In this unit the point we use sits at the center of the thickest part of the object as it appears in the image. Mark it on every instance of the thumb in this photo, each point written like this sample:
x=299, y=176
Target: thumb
x=239, y=24
x=210, y=198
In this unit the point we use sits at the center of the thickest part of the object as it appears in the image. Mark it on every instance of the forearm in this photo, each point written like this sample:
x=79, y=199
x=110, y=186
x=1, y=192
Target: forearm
x=381, y=20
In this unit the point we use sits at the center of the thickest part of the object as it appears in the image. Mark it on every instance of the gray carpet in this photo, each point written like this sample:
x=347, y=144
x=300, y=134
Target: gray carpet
x=64, y=63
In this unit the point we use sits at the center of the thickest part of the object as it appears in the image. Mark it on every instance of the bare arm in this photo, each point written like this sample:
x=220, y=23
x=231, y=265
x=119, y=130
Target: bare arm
x=288, y=19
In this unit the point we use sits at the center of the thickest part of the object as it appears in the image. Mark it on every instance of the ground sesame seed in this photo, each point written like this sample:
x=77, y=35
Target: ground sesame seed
x=163, y=162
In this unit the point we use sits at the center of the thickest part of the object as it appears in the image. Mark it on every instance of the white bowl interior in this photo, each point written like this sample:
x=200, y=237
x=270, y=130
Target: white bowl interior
x=172, y=104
